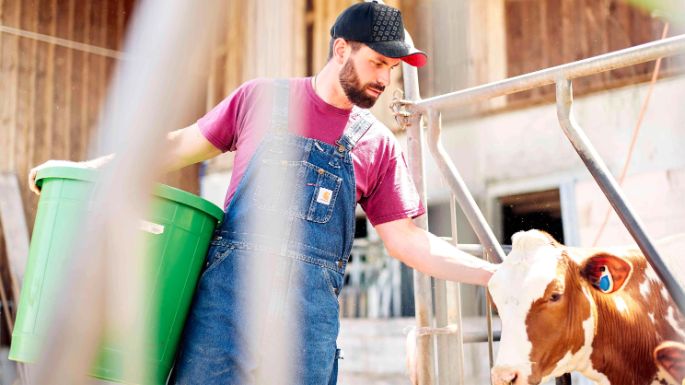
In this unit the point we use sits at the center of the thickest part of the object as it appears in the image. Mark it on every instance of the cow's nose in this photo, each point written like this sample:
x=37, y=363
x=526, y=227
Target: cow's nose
x=505, y=375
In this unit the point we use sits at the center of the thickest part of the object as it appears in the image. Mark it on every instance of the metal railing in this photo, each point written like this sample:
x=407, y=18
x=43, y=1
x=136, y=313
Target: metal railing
x=414, y=108
x=372, y=282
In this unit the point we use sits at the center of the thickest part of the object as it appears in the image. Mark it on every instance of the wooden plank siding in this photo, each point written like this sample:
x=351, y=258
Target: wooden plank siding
x=51, y=95
x=545, y=33
x=465, y=44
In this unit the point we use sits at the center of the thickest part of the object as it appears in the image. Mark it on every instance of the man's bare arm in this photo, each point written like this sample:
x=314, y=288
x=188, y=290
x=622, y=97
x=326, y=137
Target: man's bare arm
x=187, y=146
x=431, y=255
x=184, y=147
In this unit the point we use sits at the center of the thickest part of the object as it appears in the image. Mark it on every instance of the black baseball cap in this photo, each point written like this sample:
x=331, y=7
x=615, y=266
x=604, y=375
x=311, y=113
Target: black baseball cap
x=380, y=27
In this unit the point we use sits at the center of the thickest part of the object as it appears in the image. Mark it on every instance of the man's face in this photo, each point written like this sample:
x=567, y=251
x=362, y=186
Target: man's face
x=365, y=75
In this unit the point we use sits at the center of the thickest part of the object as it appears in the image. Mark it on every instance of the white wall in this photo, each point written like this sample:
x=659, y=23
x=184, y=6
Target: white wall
x=213, y=187
x=526, y=147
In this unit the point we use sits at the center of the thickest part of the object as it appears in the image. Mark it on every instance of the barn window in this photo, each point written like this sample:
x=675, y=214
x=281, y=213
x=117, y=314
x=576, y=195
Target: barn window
x=534, y=210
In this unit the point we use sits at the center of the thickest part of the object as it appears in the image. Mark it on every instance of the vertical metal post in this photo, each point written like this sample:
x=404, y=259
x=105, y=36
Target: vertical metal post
x=423, y=299
x=611, y=189
x=445, y=342
x=488, y=322
x=456, y=342
x=443, y=366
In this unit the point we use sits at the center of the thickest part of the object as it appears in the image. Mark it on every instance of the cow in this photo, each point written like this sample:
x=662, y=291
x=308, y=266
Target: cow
x=598, y=311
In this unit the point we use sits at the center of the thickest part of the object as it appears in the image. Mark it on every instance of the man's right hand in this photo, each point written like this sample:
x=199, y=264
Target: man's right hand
x=52, y=163
x=185, y=147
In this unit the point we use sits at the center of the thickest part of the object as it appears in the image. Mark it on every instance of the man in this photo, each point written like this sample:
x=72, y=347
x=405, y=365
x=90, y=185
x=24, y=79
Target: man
x=307, y=152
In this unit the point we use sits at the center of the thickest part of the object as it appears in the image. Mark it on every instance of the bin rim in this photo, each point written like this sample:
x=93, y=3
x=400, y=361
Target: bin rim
x=161, y=190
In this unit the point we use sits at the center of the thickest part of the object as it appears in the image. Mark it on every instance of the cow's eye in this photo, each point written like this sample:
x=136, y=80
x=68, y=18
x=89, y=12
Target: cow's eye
x=555, y=297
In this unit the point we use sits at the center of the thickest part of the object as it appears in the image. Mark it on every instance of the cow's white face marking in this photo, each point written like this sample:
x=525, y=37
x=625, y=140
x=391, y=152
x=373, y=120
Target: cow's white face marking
x=620, y=303
x=644, y=289
x=521, y=280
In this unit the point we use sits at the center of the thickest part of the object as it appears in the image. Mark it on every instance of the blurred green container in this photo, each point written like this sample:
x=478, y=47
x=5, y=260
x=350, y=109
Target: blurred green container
x=177, y=234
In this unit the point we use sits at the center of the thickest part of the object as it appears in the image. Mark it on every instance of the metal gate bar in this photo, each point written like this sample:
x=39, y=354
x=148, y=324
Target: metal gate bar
x=450, y=173
x=423, y=298
x=609, y=61
x=611, y=189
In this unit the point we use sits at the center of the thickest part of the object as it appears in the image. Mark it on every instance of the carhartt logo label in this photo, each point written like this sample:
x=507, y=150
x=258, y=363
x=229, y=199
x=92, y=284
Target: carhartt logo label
x=324, y=196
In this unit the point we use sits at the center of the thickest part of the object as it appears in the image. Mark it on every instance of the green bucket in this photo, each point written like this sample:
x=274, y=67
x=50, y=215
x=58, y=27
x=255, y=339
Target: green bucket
x=177, y=235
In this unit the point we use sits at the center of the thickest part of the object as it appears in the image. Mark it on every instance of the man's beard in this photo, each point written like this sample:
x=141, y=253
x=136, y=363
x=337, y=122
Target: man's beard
x=355, y=92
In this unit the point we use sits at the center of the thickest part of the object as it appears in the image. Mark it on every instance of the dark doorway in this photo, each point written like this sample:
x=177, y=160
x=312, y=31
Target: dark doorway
x=360, y=230
x=535, y=210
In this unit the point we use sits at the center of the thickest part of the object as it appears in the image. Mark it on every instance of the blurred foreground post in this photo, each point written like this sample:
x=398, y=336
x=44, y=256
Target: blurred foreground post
x=167, y=47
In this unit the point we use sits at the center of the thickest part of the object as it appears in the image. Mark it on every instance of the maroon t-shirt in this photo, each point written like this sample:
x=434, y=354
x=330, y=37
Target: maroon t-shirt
x=384, y=188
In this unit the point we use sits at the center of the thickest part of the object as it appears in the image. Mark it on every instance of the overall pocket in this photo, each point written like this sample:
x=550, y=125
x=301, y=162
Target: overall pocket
x=317, y=194
x=334, y=281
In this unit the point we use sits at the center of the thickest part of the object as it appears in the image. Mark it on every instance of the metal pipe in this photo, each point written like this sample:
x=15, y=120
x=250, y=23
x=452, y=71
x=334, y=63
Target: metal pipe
x=475, y=337
x=423, y=299
x=491, y=333
x=444, y=368
x=617, y=59
x=454, y=313
x=476, y=249
x=611, y=189
x=460, y=190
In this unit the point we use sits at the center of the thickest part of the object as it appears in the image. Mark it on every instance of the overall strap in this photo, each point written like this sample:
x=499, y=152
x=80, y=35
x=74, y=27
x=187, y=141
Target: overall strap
x=279, y=111
x=358, y=124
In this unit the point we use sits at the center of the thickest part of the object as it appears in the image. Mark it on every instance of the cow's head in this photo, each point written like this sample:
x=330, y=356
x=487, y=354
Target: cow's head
x=544, y=299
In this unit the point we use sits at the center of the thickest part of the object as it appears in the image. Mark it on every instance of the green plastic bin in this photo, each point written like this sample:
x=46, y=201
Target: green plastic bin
x=177, y=233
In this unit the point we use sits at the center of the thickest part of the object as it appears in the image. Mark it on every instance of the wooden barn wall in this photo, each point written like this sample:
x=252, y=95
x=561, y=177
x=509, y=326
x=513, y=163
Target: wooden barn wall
x=51, y=94
x=274, y=38
x=479, y=41
x=545, y=33
x=464, y=41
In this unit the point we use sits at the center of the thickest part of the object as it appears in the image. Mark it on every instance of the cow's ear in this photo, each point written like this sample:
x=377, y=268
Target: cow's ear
x=670, y=356
x=607, y=273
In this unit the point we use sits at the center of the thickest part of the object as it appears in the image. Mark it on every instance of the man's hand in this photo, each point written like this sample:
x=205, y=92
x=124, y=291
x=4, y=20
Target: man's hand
x=184, y=147
x=50, y=163
x=95, y=163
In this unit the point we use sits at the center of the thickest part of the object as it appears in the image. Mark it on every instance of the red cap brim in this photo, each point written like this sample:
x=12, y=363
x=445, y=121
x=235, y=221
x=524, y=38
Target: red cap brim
x=417, y=59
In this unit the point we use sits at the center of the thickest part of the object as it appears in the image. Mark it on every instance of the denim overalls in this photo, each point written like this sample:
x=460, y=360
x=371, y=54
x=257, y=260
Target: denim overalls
x=290, y=225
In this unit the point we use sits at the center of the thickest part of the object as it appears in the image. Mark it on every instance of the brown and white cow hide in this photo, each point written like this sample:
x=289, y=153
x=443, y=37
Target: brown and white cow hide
x=599, y=311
